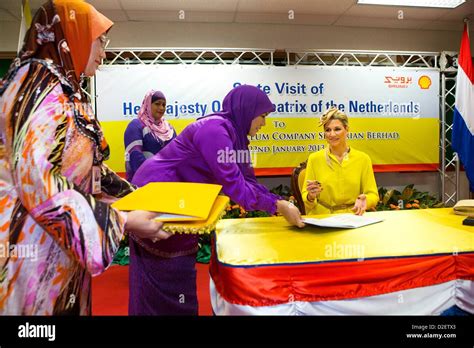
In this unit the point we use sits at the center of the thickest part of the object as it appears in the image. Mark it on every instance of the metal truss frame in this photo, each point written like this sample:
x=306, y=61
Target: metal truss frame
x=396, y=59
x=449, y=160
x=189, y=56
x=446, y=62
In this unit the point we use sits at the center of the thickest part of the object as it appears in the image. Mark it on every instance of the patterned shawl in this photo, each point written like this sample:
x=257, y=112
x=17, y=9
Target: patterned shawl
x=52, y=57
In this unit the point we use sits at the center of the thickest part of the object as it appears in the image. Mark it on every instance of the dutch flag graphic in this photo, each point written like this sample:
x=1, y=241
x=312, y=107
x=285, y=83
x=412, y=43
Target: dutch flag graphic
x=463, y=121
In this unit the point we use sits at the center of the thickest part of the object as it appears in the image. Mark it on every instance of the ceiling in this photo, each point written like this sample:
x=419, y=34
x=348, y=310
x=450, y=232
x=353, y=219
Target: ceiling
x=345, y=13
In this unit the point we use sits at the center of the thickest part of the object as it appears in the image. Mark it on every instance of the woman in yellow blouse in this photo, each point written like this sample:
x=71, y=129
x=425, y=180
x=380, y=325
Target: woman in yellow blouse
x=339, y=179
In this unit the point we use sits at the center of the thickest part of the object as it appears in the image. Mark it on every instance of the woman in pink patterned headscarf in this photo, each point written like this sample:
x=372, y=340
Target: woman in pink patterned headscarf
x=147, y=134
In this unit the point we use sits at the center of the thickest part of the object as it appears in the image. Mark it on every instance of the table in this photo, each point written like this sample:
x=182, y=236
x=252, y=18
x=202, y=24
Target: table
x=418, y=262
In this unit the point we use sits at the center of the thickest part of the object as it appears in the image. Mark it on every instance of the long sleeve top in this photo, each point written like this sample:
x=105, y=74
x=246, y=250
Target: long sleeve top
x=140, y=145
x=64, y=233
x=204, y=152
x=341, y=182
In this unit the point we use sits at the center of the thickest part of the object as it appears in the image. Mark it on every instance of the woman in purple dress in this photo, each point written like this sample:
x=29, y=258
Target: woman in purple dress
x=214, y=149
x=147, y=134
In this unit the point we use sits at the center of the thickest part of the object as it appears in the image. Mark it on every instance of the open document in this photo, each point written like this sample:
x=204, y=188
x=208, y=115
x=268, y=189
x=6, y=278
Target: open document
x=343, y=221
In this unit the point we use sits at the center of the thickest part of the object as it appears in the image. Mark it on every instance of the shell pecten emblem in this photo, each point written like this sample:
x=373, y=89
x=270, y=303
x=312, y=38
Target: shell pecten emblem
x=424, y=82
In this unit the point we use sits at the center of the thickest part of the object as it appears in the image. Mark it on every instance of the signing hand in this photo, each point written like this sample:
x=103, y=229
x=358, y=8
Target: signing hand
x=290, y=213
x=360, y=205
x=143, y=224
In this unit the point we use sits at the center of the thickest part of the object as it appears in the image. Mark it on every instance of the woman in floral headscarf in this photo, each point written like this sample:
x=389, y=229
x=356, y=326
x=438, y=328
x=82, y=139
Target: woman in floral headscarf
x=147, y=134
x=57, y=227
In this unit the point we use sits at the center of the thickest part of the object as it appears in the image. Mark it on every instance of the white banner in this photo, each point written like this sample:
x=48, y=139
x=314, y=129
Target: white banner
x=197, y=90
x=393, y=112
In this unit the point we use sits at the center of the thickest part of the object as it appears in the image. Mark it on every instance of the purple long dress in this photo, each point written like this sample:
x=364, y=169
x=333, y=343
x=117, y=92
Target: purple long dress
x=162, y=274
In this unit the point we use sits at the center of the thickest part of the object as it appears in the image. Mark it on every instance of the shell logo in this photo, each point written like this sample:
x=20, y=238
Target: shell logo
x=424, y=82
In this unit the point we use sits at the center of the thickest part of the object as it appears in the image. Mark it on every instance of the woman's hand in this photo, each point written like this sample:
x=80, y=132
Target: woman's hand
x=360, y=205
x=142, y=224
x=290, y=212
x=314, y=188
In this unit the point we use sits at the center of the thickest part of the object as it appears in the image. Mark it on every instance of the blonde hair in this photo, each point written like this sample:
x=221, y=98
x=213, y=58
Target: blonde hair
x=334, y=114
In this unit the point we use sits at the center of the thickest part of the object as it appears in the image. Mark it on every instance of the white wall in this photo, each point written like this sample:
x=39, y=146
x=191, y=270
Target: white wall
x=9, y=32
x=238, y=35
x=125, y=34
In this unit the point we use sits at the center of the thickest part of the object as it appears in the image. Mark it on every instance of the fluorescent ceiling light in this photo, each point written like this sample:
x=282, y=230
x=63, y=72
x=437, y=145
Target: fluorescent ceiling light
x=415, y=3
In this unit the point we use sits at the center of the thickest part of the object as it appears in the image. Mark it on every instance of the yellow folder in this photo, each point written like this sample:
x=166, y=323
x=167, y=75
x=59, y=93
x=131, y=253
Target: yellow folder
x=185, y=207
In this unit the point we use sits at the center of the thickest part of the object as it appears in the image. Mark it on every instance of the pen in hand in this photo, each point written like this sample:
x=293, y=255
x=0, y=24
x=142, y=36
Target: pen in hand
x=314, y=188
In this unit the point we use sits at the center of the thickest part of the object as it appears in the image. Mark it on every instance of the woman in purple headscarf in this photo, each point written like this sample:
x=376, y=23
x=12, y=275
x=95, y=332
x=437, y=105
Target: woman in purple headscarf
x=147, y=134
x=162, y=274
